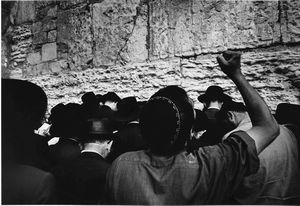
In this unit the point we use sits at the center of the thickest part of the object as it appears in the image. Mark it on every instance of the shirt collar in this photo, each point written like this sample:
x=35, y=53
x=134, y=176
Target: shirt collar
x=93, y=147
x=133, y=122
x=101, y=149
x=212, y=107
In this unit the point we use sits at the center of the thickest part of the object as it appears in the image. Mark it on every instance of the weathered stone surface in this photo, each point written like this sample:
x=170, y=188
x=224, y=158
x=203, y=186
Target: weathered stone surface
x=20, y=44
x=290, y=20
x=23, y=11
x=52, y=12
x=157, y=43
x=39, y=5
x=17, y=73
x=74, y=36
x=52, y=36
x=264, y=69
x=114, y=23
x=43, y=68
x=135, y=49
x=49, y=24
x=71, y=4
x=49, y=51
x=39, y=38
x=55, y=67
x=186, y=28
x=36, y=27
x=34, y=58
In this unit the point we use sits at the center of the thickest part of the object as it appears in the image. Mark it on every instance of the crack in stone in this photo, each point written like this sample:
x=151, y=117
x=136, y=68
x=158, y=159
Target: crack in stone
x=119, y=58
x=279, y=20
x=148, y=36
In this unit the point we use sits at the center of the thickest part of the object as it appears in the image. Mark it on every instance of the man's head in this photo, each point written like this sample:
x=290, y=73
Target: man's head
x=231, y=115
x=24, y=105
x=127, y=110
x=111, y=99
x=214, y=94
x=68, y=121
x=166, y=120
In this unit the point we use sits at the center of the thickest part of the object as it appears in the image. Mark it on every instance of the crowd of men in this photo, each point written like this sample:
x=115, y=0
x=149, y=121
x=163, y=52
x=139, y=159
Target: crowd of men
x=109, y=150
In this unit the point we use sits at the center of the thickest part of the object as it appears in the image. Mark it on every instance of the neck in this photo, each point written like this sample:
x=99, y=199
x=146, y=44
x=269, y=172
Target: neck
x=102, y=148
x=215, y=104
x=133, y=122
x=244, y=124
x=245, y=121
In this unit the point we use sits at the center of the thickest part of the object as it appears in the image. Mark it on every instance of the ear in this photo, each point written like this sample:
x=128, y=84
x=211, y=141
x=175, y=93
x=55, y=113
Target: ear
x=231, y=116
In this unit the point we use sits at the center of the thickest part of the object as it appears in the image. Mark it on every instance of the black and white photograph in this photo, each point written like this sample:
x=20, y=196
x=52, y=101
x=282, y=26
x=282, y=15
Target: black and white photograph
x=150, y=102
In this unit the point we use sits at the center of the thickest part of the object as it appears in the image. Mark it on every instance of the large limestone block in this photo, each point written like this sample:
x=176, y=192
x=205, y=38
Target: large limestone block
x=74, y=36
x=119, y=31
x=23, y=11
x=34, y=58
x=290, y=21
x=71, y=3
x=160, y=40
x=136, y=46
x=186, y=28
x=49, y=52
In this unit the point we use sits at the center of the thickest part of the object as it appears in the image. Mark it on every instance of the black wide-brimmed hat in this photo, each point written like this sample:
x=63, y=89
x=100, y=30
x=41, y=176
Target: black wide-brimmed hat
x=111, y=96
x=214, y=93
x=100, y=128
x=89, y=98
x=127, y=110
x=68, y=121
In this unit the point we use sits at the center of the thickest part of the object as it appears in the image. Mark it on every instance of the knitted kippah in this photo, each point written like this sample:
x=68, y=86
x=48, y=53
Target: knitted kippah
x=175, y=109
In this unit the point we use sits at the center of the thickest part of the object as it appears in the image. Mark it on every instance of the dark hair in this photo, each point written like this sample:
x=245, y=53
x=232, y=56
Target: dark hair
x=166, y=120
x=231, y=106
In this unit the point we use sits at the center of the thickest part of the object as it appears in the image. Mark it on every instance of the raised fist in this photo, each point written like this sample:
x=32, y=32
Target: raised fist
x=230, y=62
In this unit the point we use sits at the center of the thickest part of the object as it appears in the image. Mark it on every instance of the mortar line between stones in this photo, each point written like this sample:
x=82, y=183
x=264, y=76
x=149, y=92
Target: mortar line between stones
x=270, y=46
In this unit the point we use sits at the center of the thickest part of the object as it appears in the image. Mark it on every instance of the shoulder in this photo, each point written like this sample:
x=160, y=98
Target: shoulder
x=136, y=156
x=238, y=148
x=39, y=184
x=27, y=171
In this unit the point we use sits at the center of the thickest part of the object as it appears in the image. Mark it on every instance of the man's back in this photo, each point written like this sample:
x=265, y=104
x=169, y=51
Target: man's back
x=207, y=176
x=23, y=184
x=82, y=180
x=277, y=180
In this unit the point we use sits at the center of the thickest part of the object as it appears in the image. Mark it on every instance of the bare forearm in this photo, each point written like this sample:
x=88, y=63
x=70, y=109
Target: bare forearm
x=258, y=110
x=262, y=120
x=265, y=127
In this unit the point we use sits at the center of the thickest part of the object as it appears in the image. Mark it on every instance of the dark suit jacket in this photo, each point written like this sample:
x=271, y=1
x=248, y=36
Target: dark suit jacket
x=33, y=150
x=22, y=184
x=211, y=116
x=82, y=181
x=65, y=150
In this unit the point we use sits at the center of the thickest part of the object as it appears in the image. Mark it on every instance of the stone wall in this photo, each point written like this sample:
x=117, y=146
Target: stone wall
x=134, y=47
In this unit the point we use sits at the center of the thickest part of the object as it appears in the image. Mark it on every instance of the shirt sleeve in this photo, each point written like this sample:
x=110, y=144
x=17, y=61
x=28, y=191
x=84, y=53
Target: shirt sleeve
x=241, y=157
x=248, y=152
x=46, y=192
x=229, y=162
